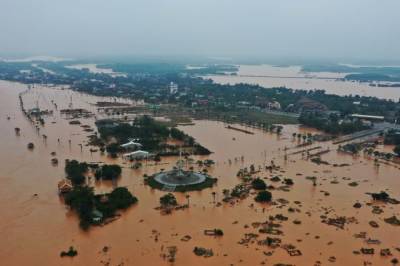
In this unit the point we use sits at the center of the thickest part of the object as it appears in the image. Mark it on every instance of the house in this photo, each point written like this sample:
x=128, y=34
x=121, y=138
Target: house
x=309, y=105
x=34, y=111
x=173, y=88
x=136, y=155
x=366, y=123
x=202, y=102
x=64, y=186
x=274, y=105
x=131, y=145
x=97, y=216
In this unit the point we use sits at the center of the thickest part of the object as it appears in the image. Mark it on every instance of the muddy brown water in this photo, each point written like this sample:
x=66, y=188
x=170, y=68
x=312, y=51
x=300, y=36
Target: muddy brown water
x=292, y=77
x=35, y=229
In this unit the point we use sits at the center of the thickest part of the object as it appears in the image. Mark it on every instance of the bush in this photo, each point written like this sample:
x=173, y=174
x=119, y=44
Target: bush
x=397, y=150
x=168, y=200
x=288, y=181
x=113, y=149
x=75, y=171
x=201, y=150
x=258, y=184
x=218, y=232
x=108, y=172
x=70, y=253
x=177, y=134
x=121, y=198
x=81, y=200
x=263, y=196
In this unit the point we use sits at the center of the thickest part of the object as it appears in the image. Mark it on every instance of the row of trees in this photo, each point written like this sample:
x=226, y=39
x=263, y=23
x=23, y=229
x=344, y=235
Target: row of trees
x=331, y=123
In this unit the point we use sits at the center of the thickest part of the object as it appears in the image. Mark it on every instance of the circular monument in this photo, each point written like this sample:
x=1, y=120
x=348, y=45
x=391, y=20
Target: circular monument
x=181, y=180
x=178, y=177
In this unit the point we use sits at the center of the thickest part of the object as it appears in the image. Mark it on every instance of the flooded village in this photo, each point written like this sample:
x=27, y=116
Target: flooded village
x=212, y=132
x=189, y=187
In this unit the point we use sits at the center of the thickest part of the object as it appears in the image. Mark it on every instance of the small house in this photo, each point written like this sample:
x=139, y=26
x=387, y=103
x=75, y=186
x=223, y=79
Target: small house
x=136, y=155
x=131, y=145
x=64, y=186
x=97, y=216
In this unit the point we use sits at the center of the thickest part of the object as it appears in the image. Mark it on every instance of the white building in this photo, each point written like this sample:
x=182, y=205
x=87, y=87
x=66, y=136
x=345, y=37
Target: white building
x=136, y=155
x=131, y=145
x=173, y=88
x=274, y=105
x=369, y=117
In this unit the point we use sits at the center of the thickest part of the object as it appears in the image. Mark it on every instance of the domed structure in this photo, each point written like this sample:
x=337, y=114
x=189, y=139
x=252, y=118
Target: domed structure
x=179, y=179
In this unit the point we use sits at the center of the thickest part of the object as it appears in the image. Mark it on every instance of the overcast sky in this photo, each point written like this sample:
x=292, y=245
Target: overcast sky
x=306, y=28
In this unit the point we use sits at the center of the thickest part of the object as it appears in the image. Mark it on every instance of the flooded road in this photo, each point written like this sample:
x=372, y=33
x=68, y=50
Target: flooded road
x=292, y=77
x=36, y=228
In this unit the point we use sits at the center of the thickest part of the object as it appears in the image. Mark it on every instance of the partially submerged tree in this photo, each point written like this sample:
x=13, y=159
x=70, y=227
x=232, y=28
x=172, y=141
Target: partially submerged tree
x=75, y=171
x=263, y=196
x=108, y=172
x=168, y=200
x=258, y=184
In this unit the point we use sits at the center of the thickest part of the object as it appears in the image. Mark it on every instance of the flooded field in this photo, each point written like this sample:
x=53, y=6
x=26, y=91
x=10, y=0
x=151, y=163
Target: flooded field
x=94, y=69
x=292, y=77
x=36, y=226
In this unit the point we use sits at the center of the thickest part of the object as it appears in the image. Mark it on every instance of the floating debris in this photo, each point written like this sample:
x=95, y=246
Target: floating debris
x=203, y=252
x=392, y=220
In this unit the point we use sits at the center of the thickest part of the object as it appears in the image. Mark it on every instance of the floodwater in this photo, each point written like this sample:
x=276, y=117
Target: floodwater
x=94, y=69
x=35, y=229
x=292, y=77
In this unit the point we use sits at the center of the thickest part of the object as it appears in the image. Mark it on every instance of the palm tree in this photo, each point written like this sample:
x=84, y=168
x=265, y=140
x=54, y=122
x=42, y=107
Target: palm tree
x=187, y=198
x=213, y=194
x=279, y=130
x=226, y=192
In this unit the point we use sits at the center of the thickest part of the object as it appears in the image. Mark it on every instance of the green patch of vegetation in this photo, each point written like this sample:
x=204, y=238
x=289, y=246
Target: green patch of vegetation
x=113, y=149
x=152, y=136
x=263, y=196
x=353, y=148
x=396, y=150
x=288, y=181
x=239, y=191
x=70, y=253
x=93, y=209
x=218, y=232
x=258, y=184
x=75, y=171
x=318, y=160
x=168, y=200
x=392, y=137
x=108, y=172
x=245, y=116
x=331, y=124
